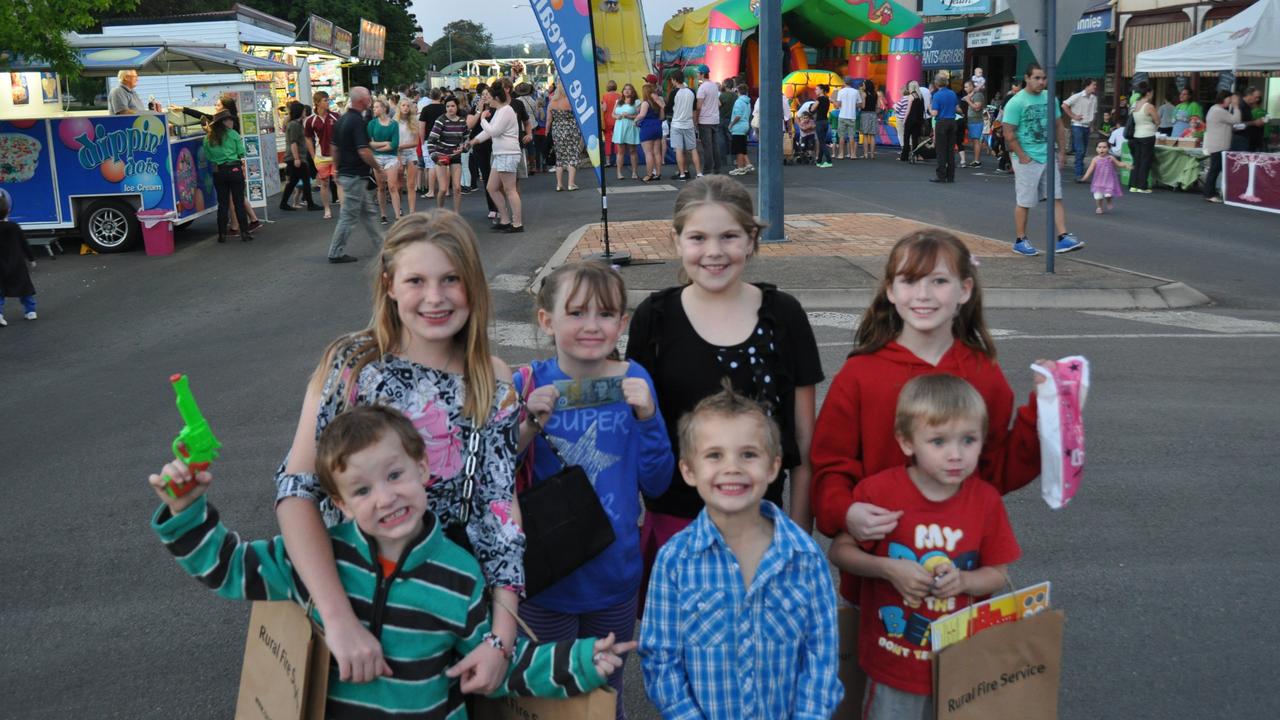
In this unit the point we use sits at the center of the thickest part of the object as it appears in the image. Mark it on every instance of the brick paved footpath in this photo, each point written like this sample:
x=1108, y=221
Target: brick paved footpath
x=821, y=235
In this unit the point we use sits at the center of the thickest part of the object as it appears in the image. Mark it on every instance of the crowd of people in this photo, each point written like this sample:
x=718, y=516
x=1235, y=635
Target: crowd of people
x=415, y=445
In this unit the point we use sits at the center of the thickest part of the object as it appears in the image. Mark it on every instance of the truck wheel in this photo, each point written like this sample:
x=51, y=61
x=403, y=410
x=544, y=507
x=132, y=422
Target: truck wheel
x=111, y=226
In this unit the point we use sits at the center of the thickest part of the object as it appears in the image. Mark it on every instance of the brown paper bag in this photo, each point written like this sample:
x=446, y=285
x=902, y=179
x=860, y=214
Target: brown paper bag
x=851, y=675
x=286, y=665
x=599, y=704
x=1007, y=671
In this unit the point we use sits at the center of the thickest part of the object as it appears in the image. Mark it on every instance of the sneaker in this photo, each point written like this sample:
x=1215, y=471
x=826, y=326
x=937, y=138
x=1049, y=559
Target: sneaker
x=31, y=315
x=1067, y=242
x=3, y=322
x=682, y=176
x=700, y=175
x=1024, y=247
x=739, y=171
x=1214, y=199
x=383, y=220
x=467, y=191
x=513, y=229
x=343, y=259
x=500, y=227
x=975, y=164
x=998, y=171
x=255, y=225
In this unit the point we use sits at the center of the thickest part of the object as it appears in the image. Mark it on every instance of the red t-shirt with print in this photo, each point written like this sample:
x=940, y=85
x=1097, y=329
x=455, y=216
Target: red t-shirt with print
x=319, y=128
x=970, y=530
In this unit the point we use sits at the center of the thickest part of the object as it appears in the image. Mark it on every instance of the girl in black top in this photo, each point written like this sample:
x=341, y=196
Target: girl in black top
x=718, y=325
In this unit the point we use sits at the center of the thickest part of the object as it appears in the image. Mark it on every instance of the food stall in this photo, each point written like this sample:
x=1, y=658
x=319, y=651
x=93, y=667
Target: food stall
x=91, y=173
x=1247, y=43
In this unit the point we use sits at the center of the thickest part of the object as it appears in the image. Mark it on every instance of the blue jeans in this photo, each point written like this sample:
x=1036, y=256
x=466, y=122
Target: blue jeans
x=28, y=303
x=1079, y=141
x=358, y=206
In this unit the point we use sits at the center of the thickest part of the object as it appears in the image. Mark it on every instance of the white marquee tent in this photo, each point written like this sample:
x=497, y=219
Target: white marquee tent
x=1248, y=41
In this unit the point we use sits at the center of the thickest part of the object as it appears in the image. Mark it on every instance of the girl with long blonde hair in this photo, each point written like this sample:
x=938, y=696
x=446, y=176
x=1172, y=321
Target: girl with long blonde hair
x=409, y=147
x=425, y=352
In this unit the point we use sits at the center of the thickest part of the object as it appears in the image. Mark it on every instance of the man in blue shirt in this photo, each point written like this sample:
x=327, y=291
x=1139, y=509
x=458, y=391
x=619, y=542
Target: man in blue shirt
x=943, y=109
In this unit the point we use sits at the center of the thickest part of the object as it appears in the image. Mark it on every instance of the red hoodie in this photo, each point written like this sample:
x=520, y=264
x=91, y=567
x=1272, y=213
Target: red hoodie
x=854, y=439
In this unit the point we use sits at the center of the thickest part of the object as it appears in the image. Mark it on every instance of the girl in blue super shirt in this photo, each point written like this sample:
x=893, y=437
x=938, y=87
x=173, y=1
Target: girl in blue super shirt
x=622, y=445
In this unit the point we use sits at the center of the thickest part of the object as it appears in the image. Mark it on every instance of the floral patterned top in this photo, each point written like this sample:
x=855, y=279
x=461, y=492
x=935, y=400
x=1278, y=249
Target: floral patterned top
x=433, y=401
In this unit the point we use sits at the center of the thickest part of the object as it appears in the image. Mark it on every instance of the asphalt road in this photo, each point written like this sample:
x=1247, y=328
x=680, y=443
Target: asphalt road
x=1157, y=563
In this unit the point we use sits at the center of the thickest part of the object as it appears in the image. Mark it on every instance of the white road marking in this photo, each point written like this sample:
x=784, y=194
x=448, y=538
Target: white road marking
x=1113, y=336
x=1192, y=320
x=517, y=334
x=849, y=321
x=509, y=283
x=624, y=190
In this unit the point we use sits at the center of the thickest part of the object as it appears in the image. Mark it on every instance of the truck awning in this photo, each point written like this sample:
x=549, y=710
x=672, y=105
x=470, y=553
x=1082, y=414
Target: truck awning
x=103, y=56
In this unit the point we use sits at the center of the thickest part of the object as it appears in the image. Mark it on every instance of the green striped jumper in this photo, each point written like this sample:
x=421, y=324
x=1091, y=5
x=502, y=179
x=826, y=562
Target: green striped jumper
x=428, y=614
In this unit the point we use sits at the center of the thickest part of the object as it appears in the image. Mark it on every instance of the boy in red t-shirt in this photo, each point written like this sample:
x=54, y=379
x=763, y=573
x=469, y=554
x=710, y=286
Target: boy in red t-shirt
x=950, y=547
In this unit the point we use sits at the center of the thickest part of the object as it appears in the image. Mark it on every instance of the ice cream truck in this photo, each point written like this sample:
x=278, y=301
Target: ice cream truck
x=92, y=173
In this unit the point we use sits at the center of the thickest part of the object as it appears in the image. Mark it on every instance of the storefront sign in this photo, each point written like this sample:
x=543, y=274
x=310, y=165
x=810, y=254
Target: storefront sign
x=1094, y=22
x=1003, y=35
x=943, y=49
x=321, y=33
x=955, y=7
x=373, y=40
x=113, y=155
x=341, y=42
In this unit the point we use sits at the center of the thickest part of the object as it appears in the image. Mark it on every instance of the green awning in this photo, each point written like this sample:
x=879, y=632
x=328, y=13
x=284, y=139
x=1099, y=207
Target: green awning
x=1085, y=57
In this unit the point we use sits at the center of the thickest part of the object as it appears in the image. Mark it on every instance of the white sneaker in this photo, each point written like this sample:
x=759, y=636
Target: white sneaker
x=31, y=315
x=3, y=322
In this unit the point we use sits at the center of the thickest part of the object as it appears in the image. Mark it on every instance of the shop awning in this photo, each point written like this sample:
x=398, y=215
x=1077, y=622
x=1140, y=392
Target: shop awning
x=105, y=56
x=1085, y=57
x=1248, y=41
x=1158, y=32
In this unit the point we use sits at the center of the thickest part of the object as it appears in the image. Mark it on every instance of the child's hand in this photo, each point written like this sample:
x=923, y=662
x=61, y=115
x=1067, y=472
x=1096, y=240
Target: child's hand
x=865, y=521
x=481, y=670
x=636, y=392
x=910, y=579
x=180, y=474
x=949, y=582
x=608, y=653
x=542, y=402
x=1047, y=365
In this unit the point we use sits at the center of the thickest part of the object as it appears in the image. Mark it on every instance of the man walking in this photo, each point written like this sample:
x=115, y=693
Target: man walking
x=943, y=110
x=1026, y=134
x=848, y=102
x=1081, y=108
x=683, y=137
x=318, y=131
x=354, y=161
x=707, y=104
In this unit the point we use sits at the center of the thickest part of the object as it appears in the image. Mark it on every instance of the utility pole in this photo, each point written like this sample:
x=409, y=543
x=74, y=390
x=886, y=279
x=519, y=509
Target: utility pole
x=771, y=125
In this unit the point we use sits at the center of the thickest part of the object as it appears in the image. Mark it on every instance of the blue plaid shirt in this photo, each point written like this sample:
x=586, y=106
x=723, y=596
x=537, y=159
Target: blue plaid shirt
x=713, y=649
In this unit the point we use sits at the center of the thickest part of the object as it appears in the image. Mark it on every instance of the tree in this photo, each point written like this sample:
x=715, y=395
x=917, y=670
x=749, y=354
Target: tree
x=34, y=29
x=468, y=40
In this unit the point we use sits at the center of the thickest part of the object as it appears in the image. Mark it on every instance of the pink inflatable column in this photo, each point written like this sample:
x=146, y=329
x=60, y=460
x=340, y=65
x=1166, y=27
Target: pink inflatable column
x=861, y=52
x=724, y=46
x=904, y=61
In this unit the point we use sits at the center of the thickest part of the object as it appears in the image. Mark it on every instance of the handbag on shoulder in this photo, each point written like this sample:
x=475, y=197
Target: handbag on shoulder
x=565, y=526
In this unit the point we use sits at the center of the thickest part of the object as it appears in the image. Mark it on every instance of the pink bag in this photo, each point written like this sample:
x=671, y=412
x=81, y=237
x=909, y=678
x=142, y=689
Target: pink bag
x=1060, y=424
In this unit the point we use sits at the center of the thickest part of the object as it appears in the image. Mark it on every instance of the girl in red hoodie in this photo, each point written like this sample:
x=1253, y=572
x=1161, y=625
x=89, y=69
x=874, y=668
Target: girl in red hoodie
x=926, y=318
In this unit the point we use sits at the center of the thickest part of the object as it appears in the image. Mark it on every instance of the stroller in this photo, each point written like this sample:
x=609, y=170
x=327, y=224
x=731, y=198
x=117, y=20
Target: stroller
x=807, y=140
x=924, y=151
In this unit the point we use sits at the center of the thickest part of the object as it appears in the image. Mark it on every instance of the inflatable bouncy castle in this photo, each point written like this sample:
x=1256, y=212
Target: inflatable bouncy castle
x=867, y=39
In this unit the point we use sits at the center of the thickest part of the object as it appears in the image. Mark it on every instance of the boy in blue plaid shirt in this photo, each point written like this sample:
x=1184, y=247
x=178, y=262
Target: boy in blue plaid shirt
x=740, y=618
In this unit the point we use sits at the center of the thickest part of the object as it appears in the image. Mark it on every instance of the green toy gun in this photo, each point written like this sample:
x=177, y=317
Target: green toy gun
x=196, y=444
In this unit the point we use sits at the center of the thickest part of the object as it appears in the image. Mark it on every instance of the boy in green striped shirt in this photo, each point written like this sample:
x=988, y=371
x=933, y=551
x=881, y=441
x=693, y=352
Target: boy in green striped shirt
x=417, y=592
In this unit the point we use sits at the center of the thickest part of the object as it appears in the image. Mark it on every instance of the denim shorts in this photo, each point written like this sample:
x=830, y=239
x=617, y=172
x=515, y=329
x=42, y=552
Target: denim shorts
x=506, y=163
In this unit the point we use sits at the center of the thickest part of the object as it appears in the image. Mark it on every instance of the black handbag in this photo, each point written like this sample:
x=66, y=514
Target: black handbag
x=565, y=526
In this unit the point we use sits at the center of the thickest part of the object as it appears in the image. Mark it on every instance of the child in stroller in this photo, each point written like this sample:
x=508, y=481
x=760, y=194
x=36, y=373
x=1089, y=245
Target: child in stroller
x=807, y=140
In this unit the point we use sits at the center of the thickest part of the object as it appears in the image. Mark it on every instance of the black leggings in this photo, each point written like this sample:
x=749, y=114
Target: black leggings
x=1144, y=150
x=481, y=173
x=911, y=140
x=228, y=182
x=297, y=175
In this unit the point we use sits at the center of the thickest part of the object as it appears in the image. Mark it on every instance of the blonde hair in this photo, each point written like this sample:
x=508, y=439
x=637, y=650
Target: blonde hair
x=385, y=334
x=935, y=400
x=727, y=404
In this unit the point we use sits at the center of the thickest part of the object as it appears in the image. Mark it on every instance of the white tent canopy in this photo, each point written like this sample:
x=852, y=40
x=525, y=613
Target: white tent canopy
x=1248, y=41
